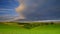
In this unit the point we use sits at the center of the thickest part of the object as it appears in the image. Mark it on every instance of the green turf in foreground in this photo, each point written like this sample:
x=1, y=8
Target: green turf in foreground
x=47, y=29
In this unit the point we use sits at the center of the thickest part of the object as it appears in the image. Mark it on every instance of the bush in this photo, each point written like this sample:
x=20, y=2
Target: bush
x=46, y=23
x=52, y=23
x=29, y=26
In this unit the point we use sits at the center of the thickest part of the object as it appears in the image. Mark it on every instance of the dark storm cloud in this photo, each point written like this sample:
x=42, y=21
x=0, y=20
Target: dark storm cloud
x=50, y=10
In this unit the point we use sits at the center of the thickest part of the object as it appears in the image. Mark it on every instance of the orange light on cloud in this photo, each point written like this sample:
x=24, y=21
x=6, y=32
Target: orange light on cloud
x=20, y=8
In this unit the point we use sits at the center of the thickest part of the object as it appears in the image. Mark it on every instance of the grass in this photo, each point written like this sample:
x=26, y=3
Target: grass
x=46, y=29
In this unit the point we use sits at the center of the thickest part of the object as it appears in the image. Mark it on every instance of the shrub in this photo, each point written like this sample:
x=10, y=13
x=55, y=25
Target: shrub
x=29, y=26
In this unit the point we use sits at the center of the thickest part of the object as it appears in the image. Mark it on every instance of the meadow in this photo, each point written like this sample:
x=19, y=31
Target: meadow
x=25, y=28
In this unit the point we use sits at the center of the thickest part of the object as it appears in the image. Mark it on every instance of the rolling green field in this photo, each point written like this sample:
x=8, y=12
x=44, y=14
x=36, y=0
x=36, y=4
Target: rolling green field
x=45, y=29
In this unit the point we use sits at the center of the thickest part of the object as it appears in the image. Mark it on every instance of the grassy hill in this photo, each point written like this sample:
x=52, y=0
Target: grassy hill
x=42, y=29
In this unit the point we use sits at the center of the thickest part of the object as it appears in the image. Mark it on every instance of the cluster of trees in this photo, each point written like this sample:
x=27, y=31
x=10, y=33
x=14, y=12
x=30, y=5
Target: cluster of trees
x=31, y=25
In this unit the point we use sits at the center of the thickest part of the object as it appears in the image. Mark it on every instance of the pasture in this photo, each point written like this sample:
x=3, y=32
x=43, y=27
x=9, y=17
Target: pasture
x=42, y=29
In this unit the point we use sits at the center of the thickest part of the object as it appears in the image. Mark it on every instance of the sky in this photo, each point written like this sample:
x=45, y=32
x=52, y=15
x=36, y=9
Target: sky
x=8, y=6
x=7, y=9
x=34, y=9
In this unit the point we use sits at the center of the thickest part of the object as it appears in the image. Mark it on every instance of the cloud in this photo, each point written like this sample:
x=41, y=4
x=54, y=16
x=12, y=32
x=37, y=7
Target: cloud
x=8, y=18
x=7, y=15
x=5, y=9
x=21, y=8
